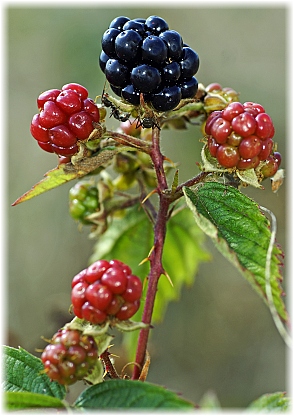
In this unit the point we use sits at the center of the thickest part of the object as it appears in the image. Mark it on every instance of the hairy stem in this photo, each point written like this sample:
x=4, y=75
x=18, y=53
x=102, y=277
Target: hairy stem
x=156, y=269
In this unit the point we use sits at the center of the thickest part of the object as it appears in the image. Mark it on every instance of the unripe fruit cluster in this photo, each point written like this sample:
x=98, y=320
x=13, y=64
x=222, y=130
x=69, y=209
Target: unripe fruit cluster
x=240, y=136
x=70, y=356
x=145, y=56
x=83, y=201
x=106, y=289
x=66, y=117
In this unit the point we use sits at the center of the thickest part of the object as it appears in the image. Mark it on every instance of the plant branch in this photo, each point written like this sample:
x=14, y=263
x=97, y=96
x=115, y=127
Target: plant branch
x=156, y=269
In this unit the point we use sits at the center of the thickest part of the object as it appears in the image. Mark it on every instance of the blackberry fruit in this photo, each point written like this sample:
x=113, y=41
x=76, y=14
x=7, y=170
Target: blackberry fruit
x=106, y=290
x=146, y=56
x=241, y=136
x=71, y=356
x=66, y=117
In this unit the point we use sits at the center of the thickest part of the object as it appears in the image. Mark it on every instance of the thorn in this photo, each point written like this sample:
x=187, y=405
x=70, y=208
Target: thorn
x=39, y=349
x=170, y=161
x=148, y=257
x=154, y=191
x=168, y=278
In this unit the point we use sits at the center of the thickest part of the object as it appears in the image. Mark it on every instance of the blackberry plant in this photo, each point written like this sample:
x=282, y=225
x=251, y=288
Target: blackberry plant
x=129, y=193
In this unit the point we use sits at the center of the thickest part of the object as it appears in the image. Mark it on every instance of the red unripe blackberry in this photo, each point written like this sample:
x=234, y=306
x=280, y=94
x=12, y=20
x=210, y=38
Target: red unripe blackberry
x=240, y=136
x=106, y=289
x=66, y=116
x=70, y=356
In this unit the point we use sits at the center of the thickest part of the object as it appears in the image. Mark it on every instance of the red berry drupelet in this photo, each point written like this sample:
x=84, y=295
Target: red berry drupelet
x=66, y=117
x=71, y=356
x=240, y=136
x=106, y=289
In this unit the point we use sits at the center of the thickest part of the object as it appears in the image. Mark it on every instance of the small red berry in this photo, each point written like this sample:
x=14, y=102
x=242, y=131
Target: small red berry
x=244, y=124
x=227, y=156
x=211, y=119
x=69, y=101
x=115, y=279
x=49, y=95
x=249, y=147
x=232, y=110
x=267, y=146
x=253, y=108
x=37, y=131
x=264, y=128
x=250, y=163
x=46, y=146
x=220, y=130
x=91, y=108
x=65, y=151
x=81, y=124
x=96, y=271
x=127, y=310
x=62, y=136
x=51, y=115
x=212, y=146
x=99, y=295
x=82, y=91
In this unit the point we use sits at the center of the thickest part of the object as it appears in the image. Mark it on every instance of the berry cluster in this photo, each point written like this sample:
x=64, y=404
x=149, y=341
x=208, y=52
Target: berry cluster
x=66, y=116
x=145, y=56
x=70, y=356
x=106, y=289
x=241, y=136
x=83, y=201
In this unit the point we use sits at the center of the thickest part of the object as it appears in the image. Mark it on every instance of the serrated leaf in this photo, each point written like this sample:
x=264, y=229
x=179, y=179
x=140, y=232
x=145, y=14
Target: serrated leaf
x=130, y=240
x=25, y=400
x=128, y=394
x=67, y=172
x=24, y=372
x=241, y=233
x=271, y=402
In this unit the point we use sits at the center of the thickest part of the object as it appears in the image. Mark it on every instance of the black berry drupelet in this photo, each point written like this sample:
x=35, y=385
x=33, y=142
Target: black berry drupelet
x=145, y=56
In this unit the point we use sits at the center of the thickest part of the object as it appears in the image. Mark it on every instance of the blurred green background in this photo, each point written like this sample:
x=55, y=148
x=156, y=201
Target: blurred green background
x=220, y=336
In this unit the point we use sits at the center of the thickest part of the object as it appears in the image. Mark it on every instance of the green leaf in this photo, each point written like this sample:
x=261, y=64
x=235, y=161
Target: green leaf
x=241, y=233
x=24, y=373
x=128, y=394
x=25, y=400
x=66, y=172
x=272, y=402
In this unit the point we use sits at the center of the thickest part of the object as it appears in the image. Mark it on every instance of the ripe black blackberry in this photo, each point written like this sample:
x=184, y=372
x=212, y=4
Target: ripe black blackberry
x=146, y=56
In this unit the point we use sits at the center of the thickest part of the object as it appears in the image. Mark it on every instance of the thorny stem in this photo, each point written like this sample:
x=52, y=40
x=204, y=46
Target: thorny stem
x=156, y=269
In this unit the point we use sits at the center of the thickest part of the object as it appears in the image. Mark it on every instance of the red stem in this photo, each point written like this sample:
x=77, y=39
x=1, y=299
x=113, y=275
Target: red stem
x=156, y=269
